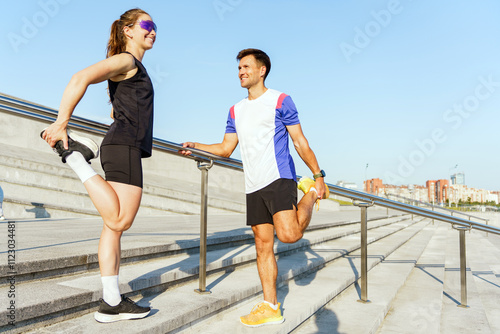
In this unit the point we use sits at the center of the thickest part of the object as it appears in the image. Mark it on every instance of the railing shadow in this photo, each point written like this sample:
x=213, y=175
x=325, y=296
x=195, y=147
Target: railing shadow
x=478, y=274
x=381, y=258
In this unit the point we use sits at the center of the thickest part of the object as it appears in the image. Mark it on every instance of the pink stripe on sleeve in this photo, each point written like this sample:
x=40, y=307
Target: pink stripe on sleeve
x=280, y=100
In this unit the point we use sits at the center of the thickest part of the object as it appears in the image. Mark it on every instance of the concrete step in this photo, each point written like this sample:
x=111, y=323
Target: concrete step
x=455, y=319
x=78, y=201
x=481, y=256
x=70, y=294
x=76, y=198
x=417, y=306
x=15, y=208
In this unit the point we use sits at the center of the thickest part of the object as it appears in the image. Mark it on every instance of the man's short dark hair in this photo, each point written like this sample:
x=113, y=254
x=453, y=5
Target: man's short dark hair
x=259, y=55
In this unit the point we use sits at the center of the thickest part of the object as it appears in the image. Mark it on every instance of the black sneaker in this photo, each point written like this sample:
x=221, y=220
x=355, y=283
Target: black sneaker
x=86, y=146
x=127, y=309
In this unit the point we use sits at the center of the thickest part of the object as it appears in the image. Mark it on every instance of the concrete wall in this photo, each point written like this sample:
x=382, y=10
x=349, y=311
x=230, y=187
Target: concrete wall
x=20, y=139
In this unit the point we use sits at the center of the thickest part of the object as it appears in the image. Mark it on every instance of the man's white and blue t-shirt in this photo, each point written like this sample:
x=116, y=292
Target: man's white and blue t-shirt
x=260, y=125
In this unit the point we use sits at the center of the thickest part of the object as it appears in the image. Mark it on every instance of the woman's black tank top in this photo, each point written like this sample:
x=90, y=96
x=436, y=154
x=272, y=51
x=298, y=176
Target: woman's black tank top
x=132, y=101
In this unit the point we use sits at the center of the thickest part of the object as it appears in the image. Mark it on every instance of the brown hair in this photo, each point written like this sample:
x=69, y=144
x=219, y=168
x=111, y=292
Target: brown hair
x=117, y=40
x=261, y=57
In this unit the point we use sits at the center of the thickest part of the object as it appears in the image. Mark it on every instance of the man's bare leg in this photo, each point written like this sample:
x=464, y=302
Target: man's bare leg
x=291, y=224
x=266, y=261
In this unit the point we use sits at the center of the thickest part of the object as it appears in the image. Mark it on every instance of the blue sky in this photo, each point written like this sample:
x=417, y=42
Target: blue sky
x=411, y=88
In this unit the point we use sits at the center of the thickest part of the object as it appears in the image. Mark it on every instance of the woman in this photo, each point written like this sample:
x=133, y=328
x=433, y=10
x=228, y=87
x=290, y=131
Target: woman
x=128, y=140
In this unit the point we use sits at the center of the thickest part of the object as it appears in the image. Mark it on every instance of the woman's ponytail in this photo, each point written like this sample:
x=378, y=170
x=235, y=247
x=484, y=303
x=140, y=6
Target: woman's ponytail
x=117, y=40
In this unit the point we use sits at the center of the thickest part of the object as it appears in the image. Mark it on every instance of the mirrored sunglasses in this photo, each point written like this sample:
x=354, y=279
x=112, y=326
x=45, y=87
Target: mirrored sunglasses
x=146, y=25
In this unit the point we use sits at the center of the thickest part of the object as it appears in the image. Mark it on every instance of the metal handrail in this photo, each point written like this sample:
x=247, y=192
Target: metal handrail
x=437, y=207
x=380, y=201
x=206, y=160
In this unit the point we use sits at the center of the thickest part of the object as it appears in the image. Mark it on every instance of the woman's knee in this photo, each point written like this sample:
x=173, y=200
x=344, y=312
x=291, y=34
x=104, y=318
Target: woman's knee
x=119, y=225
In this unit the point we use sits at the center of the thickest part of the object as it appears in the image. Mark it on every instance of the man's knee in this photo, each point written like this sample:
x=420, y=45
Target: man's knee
x=289, y=238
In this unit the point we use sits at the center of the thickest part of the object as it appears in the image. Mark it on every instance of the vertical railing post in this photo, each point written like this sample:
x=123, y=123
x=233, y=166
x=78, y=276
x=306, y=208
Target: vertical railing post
x=203, y=167
x=364, y=251
x=463, y=266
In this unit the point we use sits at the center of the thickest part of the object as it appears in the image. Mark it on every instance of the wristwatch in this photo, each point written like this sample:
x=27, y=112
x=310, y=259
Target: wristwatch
x=320, y=174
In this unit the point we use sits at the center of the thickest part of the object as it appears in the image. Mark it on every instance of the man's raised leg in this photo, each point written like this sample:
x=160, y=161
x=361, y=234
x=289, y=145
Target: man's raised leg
x=291, y=224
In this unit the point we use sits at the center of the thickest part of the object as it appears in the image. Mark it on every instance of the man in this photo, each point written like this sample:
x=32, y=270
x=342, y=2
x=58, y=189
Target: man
x=261, y=123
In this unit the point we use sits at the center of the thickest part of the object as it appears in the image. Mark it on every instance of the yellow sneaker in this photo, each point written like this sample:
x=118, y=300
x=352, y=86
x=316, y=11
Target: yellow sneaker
x=262, y=314
x=305, y=184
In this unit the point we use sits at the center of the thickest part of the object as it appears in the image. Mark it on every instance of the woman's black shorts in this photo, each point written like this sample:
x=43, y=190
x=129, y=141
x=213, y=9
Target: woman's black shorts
x=122, y=164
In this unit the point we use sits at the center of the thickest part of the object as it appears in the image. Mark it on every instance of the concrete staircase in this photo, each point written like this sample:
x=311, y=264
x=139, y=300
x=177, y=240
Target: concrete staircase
x=413, y=280
x=58, y=282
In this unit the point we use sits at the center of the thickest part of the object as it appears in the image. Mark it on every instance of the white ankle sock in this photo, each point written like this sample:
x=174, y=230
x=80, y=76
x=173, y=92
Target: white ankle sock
x=313, y=189
x=274, y=307
x=111, y=290
x=81, y=167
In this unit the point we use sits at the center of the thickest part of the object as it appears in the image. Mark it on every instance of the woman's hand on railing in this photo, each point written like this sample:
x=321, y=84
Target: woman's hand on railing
x=187, y=145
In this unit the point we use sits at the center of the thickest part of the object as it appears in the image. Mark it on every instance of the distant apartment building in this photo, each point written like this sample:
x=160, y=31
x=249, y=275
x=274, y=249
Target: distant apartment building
x=434, y=191
x=374, y=186
x=494, y=196
x=462, y=192
x=458, y=178
x=438, y=191
x=348, y=185
x=412, y=191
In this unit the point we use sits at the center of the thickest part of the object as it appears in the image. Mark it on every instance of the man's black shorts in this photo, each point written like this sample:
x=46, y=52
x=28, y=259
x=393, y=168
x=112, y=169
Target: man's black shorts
x=122, y=163
x=262, y=204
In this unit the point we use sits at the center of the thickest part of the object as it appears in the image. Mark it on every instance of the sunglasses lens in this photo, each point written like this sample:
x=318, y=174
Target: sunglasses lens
x=148, y=25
